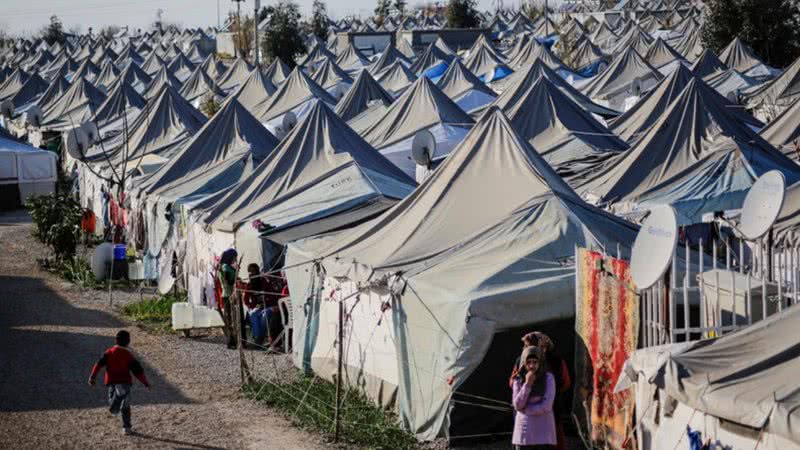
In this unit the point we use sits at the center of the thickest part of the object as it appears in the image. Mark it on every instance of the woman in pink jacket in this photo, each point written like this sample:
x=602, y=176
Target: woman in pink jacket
x=534, y=390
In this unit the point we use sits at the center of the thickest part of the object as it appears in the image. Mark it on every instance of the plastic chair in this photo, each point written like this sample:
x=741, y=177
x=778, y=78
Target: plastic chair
x=286, y=319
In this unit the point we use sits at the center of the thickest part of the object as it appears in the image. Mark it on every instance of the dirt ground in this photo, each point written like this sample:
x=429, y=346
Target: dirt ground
x=50, y=335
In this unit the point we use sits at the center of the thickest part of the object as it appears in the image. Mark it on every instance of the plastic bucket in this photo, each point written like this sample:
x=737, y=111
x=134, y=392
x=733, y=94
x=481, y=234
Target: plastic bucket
x=119, y=252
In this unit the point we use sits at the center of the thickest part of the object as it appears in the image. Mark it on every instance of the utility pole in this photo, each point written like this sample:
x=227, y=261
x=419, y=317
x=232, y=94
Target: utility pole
x=255, y=31
x=238, y=27
x=546, y=30
x=218, y=24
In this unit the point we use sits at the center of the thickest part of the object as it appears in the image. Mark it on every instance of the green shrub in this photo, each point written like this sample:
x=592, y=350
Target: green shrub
x=362, y=423
x=58, y=222
x=155, y=313
x=78, y=270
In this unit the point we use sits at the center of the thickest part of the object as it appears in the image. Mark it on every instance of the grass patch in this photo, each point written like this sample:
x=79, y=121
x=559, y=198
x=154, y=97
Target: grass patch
x=153, y=314
x=363, y=424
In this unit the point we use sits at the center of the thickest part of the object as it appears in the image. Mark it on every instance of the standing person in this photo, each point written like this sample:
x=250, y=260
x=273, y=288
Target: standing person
x=120, y=364
x=227, y=279
x=534, y=390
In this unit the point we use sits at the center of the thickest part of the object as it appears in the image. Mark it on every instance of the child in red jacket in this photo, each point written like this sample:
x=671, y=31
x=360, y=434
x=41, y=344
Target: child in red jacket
x=120, y=364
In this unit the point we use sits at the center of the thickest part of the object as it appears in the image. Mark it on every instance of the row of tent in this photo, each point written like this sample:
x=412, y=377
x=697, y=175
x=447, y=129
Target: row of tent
x=438, y=261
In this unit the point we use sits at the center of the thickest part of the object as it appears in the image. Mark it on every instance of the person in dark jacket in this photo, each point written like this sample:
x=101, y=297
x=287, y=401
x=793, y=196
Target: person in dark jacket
x=120, y=363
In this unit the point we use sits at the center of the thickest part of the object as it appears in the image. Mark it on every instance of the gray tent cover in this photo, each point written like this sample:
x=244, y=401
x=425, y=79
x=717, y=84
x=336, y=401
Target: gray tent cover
x=483, y=61
x=635, y=38
x=199, y=85
x=33, y=87
x=254, y=93
x=420, y=107
x=236, y=74
x=153, y=64
x=784, y=130
x=352, y=59
x=707, y=64
x=738, y=55
x=457, y=80
x=167, y=121
x=731, y=83
x=277, y=72
x=77, y=105
x=213, y=67
x=135, y=76
x=522, y=79
x=660, y=54
x=787, y=228
x=181, y=67
x=123, y=100
x=781, y=91
x=302, y=180
x=219, y=155
x=57, y=88
x=396, y=78
x=585, y=53
x=163, y=78
x=635, y=122
x=13, y=83
x=361, y=94
x=683, y=136
x=533, y=51
x=294, y=91
x=328, y=75
x=87, y=70
x=748, y=377
x=570, y=139
x=316, y=56
x=624, y=69
x=387, y=58
x=108, y=74
x=445, y=308
x=433, y=56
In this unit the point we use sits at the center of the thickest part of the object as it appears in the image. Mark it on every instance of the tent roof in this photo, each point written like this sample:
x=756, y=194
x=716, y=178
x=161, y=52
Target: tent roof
x=784, y=130
x=236, y=74
x=294, y=91
x=328, y=74
x=277, y=72
x=660, y=54
x=77, y=105
x=738, y=55
x=569, y=138
x=636, y=121
x=458, y=80
x=231, y=137
x=421, y=106
x=121, y=100
x=686, y=133
x=254, y=93
x=781, y=91
x=625, y=68
x=746, y=377
x=387, y=58
x=432, y=56
x=163, y=78
x=318, y=148
x=707, y=64
x=358, y=98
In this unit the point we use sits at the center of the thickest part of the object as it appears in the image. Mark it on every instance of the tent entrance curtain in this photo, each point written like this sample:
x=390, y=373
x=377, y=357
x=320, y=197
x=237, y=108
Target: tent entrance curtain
x=607, y=331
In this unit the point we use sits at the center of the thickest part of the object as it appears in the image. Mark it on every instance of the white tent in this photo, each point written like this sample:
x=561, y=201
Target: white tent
x=30, y=170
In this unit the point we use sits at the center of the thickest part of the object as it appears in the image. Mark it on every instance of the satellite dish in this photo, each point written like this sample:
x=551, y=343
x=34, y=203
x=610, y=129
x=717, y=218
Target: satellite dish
x=92, y=133
x=732, y=97
x=33, y=116
x=289, y=121
x=7, y=109
x=654, y=246
x=762, y=205
x=76, y=143
x=423, y=147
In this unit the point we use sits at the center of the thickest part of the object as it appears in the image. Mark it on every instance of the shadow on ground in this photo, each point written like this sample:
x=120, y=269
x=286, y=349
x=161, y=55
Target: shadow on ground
x=48, y=369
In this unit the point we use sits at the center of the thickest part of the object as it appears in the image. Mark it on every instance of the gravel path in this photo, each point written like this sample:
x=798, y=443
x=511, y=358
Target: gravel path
x=50, y=335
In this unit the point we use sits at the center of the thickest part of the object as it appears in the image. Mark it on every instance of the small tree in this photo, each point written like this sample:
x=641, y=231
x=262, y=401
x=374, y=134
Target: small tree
x=567, y=44
x=770, y=27
x=382, y=11
x=54, y=32
x=462, y=14
x=158, y=24
x=243, y=39
x=319, y=20
x=283, y=37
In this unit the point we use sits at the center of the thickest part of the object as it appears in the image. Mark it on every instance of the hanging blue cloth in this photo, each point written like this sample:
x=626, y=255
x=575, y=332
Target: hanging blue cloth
x=695, y=440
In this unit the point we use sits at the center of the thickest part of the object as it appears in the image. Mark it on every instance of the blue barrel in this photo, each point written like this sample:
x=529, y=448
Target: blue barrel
x=119, y=252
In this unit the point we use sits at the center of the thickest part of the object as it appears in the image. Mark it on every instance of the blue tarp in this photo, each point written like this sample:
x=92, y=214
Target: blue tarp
x=498, y=73
x=436, y=72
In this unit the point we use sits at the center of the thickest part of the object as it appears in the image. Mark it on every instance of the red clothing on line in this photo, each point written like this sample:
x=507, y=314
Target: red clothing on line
x=120, y=364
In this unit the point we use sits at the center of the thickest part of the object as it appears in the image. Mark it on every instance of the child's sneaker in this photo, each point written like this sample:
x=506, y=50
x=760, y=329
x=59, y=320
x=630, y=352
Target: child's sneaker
x=127, y=431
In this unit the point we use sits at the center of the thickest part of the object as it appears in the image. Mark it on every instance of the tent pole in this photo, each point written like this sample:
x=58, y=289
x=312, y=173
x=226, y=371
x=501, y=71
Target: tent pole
x=336, y=418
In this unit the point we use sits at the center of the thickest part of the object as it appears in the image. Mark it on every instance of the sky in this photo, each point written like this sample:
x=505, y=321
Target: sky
x=29, y=16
